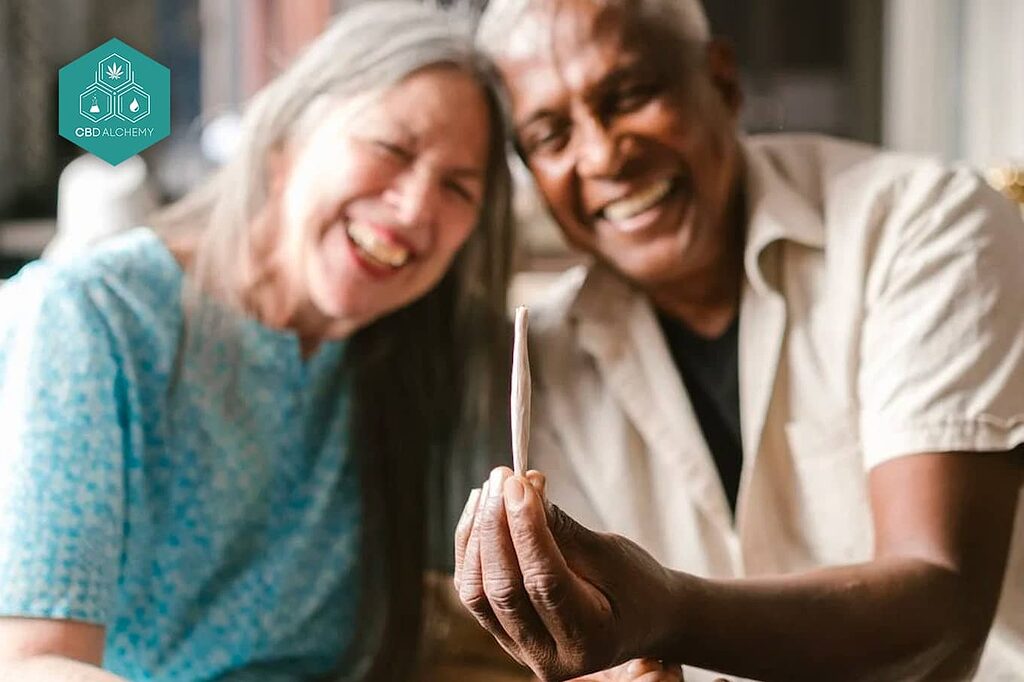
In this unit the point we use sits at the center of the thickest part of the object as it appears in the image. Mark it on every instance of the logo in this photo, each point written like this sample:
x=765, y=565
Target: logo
x=114, y=101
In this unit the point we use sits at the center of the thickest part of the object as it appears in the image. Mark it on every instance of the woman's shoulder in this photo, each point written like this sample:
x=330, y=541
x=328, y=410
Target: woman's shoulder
x=130, y=284
x=137, y=257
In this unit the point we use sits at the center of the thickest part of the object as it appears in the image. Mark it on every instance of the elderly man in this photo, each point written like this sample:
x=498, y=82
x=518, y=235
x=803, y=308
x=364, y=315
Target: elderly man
x=793, y=378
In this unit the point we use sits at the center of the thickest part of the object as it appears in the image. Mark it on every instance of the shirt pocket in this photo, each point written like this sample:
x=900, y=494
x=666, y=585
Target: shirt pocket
x=830, y=506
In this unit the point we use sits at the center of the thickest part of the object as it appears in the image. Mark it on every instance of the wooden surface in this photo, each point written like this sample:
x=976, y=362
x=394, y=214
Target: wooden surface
x=456, y=647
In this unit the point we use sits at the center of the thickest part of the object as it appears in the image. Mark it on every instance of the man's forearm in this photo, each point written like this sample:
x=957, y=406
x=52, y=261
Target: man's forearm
x=51, y=668
x=892, y=618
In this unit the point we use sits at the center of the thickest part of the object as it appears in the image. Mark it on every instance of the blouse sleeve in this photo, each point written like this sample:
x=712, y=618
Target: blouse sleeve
x=61, y=451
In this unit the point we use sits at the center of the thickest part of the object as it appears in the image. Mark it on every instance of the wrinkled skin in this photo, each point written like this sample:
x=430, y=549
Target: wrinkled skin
x=584, y=612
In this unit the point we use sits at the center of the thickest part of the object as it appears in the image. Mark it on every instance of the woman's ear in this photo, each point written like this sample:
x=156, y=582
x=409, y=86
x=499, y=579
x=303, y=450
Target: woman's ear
x=724, y=74
x=278, y=169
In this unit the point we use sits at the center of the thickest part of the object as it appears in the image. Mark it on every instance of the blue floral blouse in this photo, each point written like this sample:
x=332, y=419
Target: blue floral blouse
x=210, y=523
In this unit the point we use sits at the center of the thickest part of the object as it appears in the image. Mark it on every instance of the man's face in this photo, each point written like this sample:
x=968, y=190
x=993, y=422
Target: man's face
x=634, y=152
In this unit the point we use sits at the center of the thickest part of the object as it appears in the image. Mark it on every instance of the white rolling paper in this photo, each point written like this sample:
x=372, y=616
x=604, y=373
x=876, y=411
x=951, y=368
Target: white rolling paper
x=520, y=394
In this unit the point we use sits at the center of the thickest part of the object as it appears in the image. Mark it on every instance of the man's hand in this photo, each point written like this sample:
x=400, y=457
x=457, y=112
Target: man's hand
x=562, y=599
x=567, y=601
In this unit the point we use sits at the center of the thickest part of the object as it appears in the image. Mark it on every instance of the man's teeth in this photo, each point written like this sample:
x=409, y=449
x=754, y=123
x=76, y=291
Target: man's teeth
x=384, y=252
x=638, y=202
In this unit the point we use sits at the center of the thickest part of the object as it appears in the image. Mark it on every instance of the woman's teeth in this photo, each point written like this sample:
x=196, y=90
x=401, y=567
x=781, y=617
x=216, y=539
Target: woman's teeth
x=638, y=202
x=379, y=250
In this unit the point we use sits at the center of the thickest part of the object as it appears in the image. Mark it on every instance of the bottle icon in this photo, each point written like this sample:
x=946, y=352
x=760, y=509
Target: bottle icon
x=95, y=108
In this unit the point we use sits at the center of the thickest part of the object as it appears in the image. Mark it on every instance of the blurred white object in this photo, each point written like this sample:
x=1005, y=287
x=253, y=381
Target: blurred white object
x=96, y=200
x=219, y=138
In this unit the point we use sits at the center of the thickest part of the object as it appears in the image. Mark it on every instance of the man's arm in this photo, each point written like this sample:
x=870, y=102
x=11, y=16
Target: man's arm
x=42, y=650
x=921, y=608
x=567, y=600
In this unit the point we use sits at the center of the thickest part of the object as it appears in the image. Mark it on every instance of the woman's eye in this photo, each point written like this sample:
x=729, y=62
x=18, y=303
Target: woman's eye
x=461, y=191
x=393, y=150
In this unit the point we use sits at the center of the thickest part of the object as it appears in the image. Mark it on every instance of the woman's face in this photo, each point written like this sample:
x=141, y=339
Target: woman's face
x=379, y=195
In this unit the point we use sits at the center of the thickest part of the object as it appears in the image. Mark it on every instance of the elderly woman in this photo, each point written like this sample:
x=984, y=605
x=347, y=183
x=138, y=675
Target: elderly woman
x=791, y=377
x=217, y=436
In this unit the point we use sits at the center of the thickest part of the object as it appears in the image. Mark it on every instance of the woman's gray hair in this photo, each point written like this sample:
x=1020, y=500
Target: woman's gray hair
x=428, y=383
x=684, y=19
x=373, y=47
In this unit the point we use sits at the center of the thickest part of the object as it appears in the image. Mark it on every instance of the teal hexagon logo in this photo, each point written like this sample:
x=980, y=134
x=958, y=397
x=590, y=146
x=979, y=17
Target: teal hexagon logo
x=114, y=101
x=95, y=103
x=133, y=103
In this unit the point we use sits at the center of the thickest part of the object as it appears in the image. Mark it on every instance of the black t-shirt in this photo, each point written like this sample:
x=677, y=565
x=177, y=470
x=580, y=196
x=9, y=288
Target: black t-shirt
x=710, y=372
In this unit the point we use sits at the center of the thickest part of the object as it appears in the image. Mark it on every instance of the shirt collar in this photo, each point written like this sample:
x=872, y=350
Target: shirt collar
x=604, y=301
x=777, y=211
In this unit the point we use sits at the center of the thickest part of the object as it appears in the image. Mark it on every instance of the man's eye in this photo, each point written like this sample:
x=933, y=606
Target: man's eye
x=548, y=139
x=632, y=97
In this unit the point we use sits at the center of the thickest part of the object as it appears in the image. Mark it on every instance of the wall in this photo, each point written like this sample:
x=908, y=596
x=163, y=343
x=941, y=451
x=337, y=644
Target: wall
x=953, y=83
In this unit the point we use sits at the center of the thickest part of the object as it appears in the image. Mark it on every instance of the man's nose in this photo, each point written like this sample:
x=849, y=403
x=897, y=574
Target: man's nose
x=598, y=149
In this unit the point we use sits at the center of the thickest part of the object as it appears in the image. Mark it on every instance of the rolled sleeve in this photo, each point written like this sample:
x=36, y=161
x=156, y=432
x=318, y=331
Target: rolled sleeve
x=61, y=472
x=942, y=350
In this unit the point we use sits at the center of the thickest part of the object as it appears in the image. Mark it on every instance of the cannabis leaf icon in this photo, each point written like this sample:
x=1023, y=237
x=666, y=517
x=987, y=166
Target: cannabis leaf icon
x=114, y=72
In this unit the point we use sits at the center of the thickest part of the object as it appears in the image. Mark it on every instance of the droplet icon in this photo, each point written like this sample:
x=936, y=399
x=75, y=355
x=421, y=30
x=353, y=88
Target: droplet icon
x=134, y=106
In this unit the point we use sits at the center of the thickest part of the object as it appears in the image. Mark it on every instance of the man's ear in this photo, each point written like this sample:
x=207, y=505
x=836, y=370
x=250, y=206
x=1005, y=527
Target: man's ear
x=724, y=73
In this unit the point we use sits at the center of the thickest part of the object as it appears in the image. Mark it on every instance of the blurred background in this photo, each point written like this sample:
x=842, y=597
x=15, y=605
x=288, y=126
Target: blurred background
x=942, y=77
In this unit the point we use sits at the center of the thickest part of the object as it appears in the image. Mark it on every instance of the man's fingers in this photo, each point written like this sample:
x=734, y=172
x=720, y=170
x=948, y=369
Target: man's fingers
x=564, y=604
x=538, y=481
x=637, y=670
x=669, y=676
x=674, y=673
x=462, y=530
x=650, y=670
x=642, y=666
x=471, y=584
x=502, y=579
x=567, y=532
x=469, y=579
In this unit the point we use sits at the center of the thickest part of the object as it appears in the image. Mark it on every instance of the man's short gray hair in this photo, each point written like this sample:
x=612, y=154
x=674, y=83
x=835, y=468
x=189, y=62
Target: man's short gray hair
x=685, y=19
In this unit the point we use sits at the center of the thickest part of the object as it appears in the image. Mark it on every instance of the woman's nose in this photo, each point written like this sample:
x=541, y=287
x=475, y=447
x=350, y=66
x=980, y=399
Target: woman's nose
x=415, y=197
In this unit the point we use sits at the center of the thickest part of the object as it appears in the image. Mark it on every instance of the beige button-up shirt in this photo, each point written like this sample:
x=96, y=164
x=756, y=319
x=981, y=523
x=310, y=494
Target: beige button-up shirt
x=882, y=315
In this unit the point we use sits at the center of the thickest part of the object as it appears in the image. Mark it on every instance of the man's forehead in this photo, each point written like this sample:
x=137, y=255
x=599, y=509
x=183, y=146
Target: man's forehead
x=531, y=38
x=554, y=51
x=548, y=28
x=535, y=80
x=537, y=86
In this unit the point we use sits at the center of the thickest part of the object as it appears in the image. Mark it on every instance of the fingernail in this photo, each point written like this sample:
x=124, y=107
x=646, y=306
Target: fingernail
x=474, y=497
x=515, y=493
x=495, y=482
